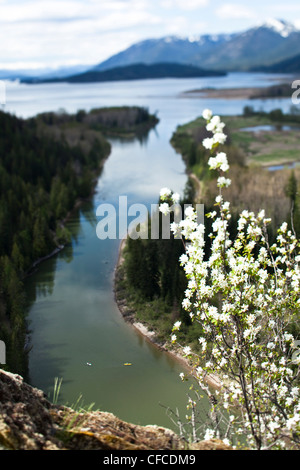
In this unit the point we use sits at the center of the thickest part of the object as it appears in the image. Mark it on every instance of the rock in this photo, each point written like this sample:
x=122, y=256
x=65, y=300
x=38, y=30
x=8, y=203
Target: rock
x=28, y=421
x=211, y=444
x=25, y=420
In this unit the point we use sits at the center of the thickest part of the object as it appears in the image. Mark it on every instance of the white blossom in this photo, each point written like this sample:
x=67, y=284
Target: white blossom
x=177, y=325
x=175, y=198
x=165, y=192
x=220, y=138
x=164, y=208
x=223, y=182
x=209, y=434
x=208, y=143
x=190, y=212
x=207, y=114
x=187, y=350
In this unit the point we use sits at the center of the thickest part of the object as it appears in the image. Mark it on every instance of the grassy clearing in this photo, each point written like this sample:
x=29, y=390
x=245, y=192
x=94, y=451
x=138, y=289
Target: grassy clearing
x=262, y=147
x=250, y=153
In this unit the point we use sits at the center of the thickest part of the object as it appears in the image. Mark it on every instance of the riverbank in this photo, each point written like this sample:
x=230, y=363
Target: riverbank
x=145, y=329
x=129, y=315
x=62, y=223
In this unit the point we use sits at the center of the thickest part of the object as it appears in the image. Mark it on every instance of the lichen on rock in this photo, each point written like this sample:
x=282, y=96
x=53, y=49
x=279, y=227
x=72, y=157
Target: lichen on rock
x=29, y=421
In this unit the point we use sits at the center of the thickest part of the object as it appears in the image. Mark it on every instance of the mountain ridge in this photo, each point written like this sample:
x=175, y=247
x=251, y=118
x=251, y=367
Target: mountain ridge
x=266, y=43
x=290, y=65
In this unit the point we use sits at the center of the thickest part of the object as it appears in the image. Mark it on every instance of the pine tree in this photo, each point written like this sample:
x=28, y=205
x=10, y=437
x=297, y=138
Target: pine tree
x=291, y=192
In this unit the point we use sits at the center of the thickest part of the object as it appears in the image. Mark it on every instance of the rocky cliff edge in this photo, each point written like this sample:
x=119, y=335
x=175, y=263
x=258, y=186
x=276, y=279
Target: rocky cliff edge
x=29, y=421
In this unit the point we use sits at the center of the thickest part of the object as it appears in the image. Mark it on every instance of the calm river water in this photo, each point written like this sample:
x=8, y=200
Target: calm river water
x=73, y=316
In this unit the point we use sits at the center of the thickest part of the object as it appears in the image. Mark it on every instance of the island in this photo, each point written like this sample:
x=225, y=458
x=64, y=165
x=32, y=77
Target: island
x=138, y=71
x=281, y=90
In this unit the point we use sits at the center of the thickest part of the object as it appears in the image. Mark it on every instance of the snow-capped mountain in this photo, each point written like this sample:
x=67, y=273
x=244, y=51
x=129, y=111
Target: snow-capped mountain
x=270, y=42
x=281, y=27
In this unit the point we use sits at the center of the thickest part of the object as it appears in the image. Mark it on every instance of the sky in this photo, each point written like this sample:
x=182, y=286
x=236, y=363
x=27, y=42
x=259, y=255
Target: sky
x=43, y=33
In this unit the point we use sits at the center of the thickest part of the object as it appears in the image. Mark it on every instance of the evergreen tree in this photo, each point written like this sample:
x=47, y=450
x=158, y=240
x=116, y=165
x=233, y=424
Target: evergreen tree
x=291, y=192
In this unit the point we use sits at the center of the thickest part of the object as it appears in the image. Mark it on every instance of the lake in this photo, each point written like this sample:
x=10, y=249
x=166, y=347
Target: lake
x=73, y=316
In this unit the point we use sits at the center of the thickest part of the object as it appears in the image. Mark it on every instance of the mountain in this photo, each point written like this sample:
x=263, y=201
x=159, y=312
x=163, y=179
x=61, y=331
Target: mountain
x=168, y=49
x=11, y=74
x=63, y=71
x=266, y=43
x=133, y=72
x=58, y=72
x=291, y=65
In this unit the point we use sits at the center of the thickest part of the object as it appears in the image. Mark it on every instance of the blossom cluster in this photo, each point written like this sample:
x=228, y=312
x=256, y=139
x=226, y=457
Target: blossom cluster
x=216, y=126
x=245, y=296
x=167, y=195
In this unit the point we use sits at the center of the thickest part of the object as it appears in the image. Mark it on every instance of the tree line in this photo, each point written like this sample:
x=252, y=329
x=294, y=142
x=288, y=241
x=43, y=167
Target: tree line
x=40, y=181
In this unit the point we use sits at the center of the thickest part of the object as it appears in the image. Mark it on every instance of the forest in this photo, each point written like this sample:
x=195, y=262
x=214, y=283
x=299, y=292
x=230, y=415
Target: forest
x=151, y=283
x=48, y=164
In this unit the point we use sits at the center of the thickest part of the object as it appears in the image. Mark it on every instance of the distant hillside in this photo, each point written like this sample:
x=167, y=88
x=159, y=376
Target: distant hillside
x=169, y=49
x=45, y=73
x=291, y=65
x=265, y=44
x=134, y=72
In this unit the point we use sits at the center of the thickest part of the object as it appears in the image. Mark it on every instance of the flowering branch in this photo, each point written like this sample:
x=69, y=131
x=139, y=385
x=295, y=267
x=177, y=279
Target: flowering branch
x=245, y=297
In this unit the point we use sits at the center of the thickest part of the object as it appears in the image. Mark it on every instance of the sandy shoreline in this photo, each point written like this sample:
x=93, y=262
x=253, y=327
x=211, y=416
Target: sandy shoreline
x=144, y=330
x=232, y=93
x=129, y=315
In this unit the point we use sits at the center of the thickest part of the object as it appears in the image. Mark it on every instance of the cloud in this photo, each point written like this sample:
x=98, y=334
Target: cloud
x=32, y=11
x=283, y=8
x=65, y=10
x=235, y=11
x=70, y=31
x=184, y=4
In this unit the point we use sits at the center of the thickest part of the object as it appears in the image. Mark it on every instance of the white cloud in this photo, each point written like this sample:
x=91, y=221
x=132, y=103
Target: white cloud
x=178, y=25
x=235, y=11
x=32, y=11
x=70, y=31
x=66, y=10
x=184, y=4
x=283, y=8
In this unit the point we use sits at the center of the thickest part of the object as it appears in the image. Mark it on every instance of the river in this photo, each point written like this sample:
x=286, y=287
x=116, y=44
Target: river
x=73, y=317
